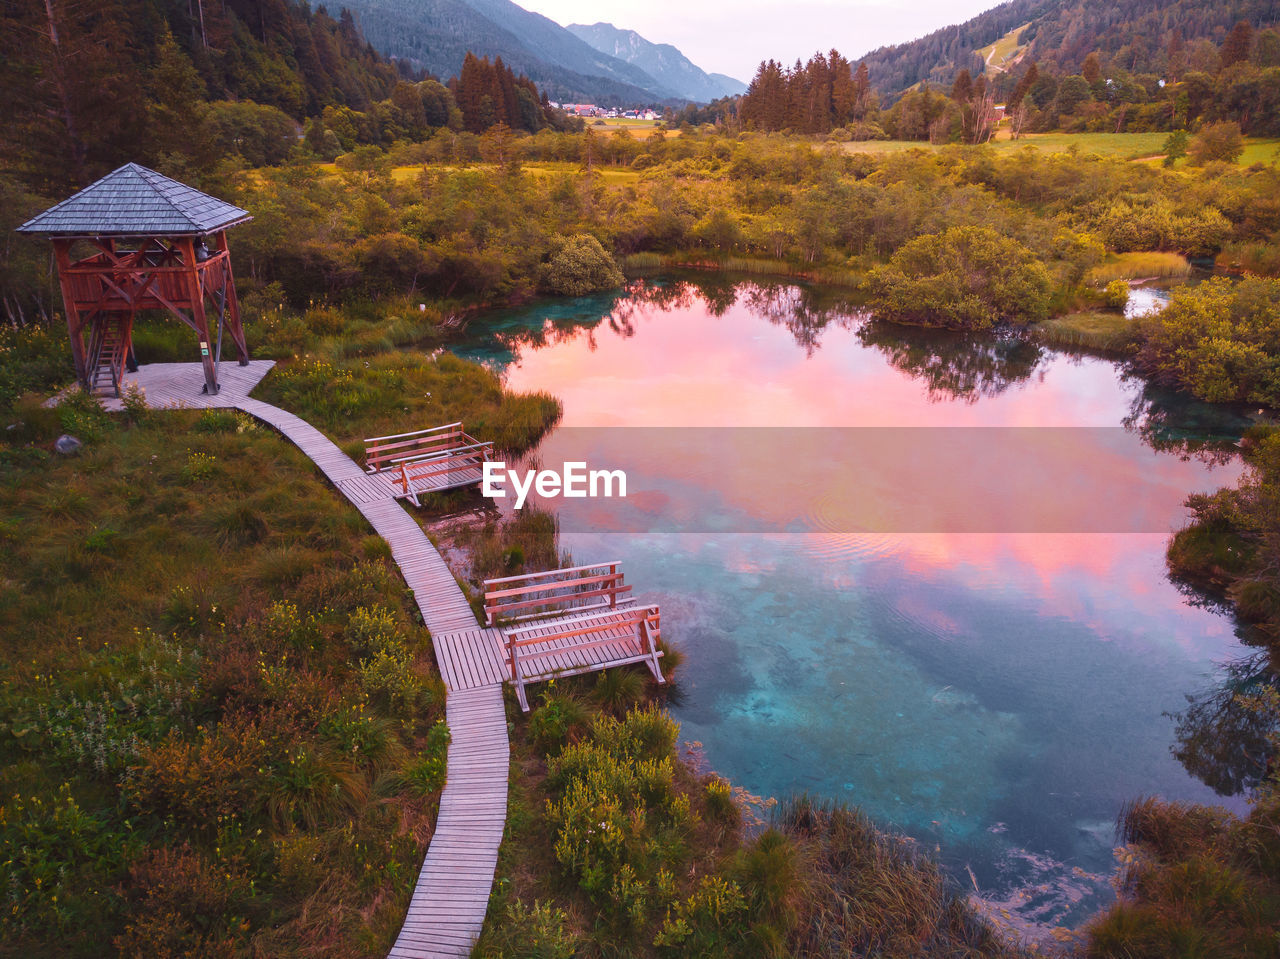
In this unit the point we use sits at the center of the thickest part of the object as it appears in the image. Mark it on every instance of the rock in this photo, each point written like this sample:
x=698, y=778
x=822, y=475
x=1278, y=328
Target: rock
x=67, y=445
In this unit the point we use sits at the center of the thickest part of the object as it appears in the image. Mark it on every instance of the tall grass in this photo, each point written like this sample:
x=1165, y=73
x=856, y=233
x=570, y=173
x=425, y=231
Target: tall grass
x=869, y=892
x=1098, y=332
x=398, y=392
x=1255, y=257
x=1139, y=266
x=1195, y=881
x=209, y=761
x=831, y=275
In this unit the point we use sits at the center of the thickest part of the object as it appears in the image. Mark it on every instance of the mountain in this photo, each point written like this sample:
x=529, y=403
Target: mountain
x=661, y=61
x=435, y=35
x=1141, y=35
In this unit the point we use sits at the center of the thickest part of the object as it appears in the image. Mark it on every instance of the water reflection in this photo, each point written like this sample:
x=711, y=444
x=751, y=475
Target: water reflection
x=954, y=366
x=1000, y=694
x=1222, y=736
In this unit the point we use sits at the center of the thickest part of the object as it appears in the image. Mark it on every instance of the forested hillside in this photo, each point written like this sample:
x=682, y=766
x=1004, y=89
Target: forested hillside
x=198, y=90
x=1139, y=75
x=87, y=85
x=435, y=35
x=1142, y=36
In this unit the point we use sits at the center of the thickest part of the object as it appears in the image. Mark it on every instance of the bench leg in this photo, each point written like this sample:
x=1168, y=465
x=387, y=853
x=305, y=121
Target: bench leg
x=647, y=639
x=517, y=677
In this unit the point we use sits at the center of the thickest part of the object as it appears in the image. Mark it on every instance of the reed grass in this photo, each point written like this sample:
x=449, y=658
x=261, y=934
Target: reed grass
x=827, y=274
x=1104, y=332
x=1252, y=257
x=1139, y=266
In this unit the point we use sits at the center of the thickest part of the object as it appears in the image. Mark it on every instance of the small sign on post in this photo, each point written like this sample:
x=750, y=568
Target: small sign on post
x=204, y=348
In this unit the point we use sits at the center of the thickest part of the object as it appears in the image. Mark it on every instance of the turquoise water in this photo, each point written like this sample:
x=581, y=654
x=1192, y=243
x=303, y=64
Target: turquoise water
x=998, y=696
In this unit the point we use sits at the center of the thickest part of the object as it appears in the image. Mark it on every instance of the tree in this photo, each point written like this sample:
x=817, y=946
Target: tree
x=1237, y=46
x=962, y=87
x=1220, y=340
x=967, y=278
x=1091, y=69
x=1175, y=147
x=579, y=265
x=1028, y=79
x=1216, y=141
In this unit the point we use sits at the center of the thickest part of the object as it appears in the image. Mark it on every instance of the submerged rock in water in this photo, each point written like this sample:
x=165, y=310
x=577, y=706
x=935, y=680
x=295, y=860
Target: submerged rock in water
x=67, y=445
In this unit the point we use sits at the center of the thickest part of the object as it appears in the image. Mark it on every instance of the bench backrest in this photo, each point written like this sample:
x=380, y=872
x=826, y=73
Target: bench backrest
x=554, y=592
x=383, y=453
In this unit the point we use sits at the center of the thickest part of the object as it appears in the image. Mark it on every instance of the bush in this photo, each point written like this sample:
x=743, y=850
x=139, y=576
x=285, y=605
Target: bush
x=1216, y=141
x=1219, y=340
x=615, y=792
x=83, y=416
x=1116, y=295
x=968, y=278
x=427, y=774
x=579, y=265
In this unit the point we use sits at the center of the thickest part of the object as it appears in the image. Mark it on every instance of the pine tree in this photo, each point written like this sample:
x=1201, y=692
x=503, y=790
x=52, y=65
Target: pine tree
x=1237, y=46
x=1029, y=77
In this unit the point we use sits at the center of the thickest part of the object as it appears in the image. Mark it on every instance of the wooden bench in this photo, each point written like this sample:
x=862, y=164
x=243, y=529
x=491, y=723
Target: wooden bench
x=427, y=461
x=569, y=621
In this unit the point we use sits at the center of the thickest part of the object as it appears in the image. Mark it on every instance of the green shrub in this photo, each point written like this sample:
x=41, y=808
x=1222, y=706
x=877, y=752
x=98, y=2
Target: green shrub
x=540, y=931
x=614, y=799
x=967, y=278
x=1116, y=295
x=551, y=724
x=1220, y=142
x=427, y=773
x=1220, y=340
x=217, y=420
x=134, y=401
x=579, y=265
x=83, y=416
x=719, y=800
x=374, y=629
x=199, y=466
x=390, y=679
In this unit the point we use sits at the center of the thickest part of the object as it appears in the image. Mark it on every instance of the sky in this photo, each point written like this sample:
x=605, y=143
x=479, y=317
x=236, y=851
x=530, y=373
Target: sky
x=733, y=36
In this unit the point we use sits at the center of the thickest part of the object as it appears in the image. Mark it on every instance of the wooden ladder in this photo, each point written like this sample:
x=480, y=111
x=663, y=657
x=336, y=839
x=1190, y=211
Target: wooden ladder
x=108, y=349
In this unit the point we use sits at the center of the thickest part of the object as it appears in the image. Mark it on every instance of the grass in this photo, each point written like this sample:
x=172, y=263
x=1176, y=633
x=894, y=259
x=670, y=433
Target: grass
x=997, y=55
x=402, y=391
x=828, y=275
x=616, y=176
x=1094, y=331
x=640, y=129
x=1125, y=146
x=215, y=700
x=1195, y=882
x=1146, y=265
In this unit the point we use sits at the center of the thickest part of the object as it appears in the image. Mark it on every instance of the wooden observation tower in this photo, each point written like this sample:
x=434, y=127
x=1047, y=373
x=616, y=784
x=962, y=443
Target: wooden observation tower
x=136, y=240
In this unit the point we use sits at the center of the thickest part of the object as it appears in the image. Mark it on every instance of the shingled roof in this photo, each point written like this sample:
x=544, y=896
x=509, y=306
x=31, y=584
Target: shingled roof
x=135, y=201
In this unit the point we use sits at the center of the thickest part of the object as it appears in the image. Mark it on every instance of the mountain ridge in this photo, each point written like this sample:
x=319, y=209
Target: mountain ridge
x=662, y=61
x=435, y=35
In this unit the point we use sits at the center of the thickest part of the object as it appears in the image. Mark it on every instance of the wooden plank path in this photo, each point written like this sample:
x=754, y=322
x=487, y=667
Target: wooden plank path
x=451, y=897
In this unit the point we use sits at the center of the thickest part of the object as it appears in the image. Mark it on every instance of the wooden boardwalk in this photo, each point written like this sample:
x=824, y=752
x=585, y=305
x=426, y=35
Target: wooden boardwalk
x=447, y=910
x=451, y=897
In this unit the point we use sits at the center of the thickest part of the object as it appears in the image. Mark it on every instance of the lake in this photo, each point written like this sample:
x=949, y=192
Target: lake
x=907, y=570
